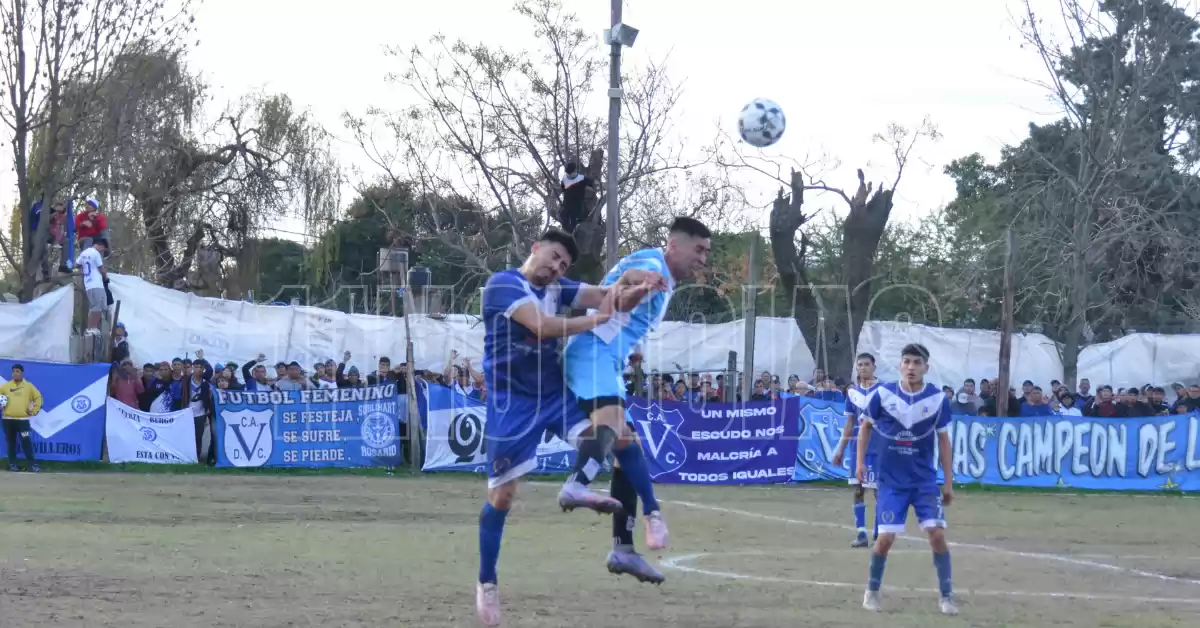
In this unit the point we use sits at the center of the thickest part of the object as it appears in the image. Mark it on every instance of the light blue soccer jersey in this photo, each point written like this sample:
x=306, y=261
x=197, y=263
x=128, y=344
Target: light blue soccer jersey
x=595, y=360
x=907, y=424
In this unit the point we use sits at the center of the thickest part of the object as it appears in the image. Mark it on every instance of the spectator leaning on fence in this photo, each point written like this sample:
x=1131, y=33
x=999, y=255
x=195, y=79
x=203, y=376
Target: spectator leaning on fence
x=295, y=379
x=90, y=224
x=24, y=402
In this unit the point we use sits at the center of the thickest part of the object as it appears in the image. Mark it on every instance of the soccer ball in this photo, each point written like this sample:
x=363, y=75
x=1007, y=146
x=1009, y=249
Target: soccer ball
x=761, y=123
x=3, y=402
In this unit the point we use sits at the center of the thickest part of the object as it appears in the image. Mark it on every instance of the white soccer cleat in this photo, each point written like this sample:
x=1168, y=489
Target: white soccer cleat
x=487, y=603
x=871, y=601
x=656, y=530
x=947, y=606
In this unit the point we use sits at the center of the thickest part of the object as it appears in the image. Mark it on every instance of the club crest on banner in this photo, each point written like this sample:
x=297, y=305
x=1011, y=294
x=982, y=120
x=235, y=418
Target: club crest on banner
x=378, y=430
x=81, y=404
x=660, y=437
x=248, y=437
x=148, y=434
x=466, y=436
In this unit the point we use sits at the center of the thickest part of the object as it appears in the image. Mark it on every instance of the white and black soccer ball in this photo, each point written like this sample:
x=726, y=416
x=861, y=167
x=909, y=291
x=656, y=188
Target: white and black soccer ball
x=3, y=402
x=761, y=123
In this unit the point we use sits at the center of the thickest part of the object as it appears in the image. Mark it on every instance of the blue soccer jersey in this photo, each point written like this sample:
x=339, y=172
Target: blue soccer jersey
x=858, y=399
x=595, y=360
x=515, y=361
x=907, y=425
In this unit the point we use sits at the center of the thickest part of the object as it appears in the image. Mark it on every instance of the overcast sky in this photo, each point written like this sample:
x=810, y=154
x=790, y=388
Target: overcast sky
x=841, y=70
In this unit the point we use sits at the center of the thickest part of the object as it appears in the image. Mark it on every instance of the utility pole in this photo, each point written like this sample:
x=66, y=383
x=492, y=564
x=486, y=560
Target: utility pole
x=615, y=93
x=749, y=318
x=1006, y=322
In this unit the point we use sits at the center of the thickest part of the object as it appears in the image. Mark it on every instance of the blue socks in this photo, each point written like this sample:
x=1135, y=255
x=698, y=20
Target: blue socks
x=633, y=462
x=491, y=529
x=875, y=575
x=860, y=518
x=941, y=562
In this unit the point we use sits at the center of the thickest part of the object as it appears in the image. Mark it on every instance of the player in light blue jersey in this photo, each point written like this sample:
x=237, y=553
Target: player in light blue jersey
x=857, y=399
x=527, y=395
x=594, y=364
x=910, y=418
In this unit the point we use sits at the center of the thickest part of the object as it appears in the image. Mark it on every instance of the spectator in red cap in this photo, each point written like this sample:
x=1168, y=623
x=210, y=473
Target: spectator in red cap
x=90, y=224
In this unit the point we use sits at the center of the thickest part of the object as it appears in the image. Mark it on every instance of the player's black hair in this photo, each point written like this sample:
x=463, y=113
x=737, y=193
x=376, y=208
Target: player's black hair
x=1038, y=388
x=689, y=226
x=19, y=367
x=915, y=350
x=970, y=381
x=1104, y=388
x=865, y=356
x=385, y=359
x=558, y=236
x=571, y=167
x=1027, y=383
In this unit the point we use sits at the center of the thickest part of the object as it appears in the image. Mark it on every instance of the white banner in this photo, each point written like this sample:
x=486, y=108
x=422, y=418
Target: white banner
x=454, y=437
x=40, y=329
x=136, y=436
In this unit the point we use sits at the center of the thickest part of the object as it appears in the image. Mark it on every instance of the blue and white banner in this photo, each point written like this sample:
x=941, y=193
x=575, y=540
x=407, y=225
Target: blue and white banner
x=718, y=443
x=1141, y=453
x=346, y=427
x=70, y=426
x=454, y=435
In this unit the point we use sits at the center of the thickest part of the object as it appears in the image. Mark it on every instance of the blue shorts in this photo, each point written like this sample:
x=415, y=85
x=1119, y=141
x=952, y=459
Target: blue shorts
x=869, y=477
x=515, y=426
x=593, y=370
x=893, y=503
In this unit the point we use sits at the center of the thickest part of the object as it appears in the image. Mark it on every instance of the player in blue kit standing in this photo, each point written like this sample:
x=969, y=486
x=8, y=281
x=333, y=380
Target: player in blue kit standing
x=857, y=399
x=909, y=416
x=527, y=395
x=594, y=363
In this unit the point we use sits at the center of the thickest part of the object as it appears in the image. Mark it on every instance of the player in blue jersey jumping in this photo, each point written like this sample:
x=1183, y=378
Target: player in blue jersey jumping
x=594, y=365
x=527, y=395
x=908, y=417
x=857, y=399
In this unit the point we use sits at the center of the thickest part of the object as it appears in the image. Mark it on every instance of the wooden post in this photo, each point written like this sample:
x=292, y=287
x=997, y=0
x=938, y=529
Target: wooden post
x=1006, y=323
x=750, y=319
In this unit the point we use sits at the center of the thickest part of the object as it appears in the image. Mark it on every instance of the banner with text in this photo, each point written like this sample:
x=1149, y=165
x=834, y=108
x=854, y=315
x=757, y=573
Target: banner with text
x=454, y=435
x=1142, y=453
x=70, y=425
x=718, y=443
x=136, y=436
x=346, y=427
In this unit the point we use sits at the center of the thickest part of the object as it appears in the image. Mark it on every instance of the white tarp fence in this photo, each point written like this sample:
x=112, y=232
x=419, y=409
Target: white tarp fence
x=164, y=324
x=40, y=329
x=136, y=436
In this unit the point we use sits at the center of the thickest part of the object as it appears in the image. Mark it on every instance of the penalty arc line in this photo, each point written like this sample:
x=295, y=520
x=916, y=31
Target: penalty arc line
x=978, y=546
x=677, y=563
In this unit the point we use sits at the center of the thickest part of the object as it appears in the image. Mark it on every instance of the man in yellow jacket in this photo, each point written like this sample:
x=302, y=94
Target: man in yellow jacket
x=24, y=401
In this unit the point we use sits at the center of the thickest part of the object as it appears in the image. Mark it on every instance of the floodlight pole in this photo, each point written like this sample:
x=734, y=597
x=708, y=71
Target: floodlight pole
x=613, y=202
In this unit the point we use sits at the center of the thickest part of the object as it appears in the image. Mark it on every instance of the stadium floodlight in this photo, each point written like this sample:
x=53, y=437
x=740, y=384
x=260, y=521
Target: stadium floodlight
x=621, y=35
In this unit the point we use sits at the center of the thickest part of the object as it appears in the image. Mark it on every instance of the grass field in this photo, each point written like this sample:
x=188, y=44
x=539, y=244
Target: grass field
x=182, y=551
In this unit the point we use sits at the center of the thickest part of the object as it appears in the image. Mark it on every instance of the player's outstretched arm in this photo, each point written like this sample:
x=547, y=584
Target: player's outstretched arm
x=847, y=434
x=544, y=326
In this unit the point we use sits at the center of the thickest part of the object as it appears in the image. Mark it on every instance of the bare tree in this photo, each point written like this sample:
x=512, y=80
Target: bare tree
x=496, y=127
x=1099, y=199
x=48, y=47
x=831, y=310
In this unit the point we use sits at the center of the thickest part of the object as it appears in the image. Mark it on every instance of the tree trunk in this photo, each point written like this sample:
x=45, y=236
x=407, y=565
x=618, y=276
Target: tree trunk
x=786, y=219
x=861, y=232
x=589, y=234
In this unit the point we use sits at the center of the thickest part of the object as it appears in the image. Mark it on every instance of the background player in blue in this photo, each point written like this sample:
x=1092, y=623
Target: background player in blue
x=527, y=395
x=594, y=363
x=907, y=416
x=857, y=399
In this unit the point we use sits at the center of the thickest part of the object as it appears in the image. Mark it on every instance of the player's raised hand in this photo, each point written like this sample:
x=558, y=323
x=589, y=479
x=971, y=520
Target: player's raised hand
x=947, y=493
x=628, y=297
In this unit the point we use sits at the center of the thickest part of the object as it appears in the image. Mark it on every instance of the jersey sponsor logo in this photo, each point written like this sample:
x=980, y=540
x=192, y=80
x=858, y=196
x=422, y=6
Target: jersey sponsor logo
x=660, y=431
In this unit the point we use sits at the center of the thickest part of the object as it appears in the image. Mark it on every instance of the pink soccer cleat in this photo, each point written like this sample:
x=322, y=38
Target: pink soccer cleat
x=487, y=603
x=575, y=495
x=656, y=530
